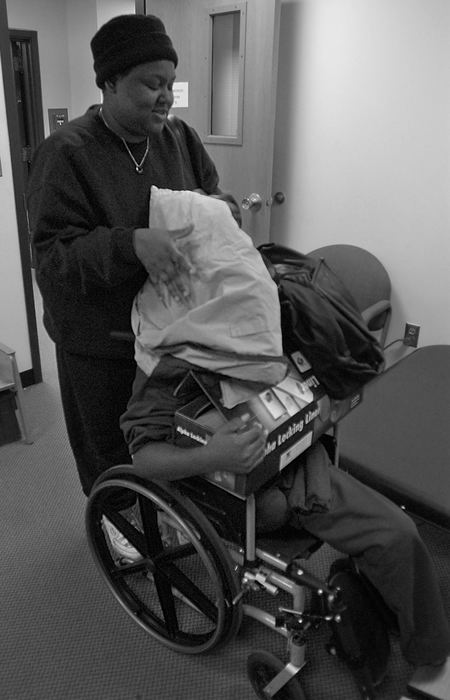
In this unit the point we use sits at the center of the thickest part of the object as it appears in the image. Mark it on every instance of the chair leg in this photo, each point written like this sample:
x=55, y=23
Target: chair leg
x=18, y=389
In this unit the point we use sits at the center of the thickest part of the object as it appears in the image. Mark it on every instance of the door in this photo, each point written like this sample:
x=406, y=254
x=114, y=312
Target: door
x=20, y=69
x=25, y=62
x=226, y=90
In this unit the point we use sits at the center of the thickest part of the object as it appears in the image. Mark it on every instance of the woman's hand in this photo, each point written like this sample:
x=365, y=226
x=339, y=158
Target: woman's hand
x=236, y=447
x=167, y=268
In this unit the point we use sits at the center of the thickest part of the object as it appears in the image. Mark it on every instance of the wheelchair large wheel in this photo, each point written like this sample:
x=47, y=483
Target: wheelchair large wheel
x=182, y=586
x=262, y=667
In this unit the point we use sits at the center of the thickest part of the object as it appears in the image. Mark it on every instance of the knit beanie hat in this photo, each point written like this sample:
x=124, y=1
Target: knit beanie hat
x=128, y=40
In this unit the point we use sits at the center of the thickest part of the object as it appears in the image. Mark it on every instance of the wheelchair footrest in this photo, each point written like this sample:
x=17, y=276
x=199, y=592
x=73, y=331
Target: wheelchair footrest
x=289, y=544
x=360, y=637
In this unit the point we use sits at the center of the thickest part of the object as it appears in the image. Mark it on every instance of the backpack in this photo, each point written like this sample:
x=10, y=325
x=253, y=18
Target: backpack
x=320, y=318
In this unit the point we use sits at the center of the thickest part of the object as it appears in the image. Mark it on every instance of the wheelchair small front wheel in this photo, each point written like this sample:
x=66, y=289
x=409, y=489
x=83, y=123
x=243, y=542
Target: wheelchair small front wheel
x=262, y=668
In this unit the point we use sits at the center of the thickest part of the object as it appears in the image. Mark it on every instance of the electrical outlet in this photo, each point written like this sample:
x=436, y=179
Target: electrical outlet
x=411, y=336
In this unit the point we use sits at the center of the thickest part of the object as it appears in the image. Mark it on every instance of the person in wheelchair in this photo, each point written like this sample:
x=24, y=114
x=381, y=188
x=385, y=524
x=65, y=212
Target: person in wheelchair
x=351, y=517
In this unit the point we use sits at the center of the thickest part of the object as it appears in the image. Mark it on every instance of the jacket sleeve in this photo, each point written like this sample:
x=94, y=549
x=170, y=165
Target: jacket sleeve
x=195, y=157
x=70, y=245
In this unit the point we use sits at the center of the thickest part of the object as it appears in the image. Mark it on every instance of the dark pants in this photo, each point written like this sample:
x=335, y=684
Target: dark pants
x=94, y=393
x=382, y=540
x=385, y=543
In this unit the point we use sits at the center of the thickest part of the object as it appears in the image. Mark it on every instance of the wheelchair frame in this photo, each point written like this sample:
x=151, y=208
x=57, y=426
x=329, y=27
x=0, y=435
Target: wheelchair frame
x=200, y=562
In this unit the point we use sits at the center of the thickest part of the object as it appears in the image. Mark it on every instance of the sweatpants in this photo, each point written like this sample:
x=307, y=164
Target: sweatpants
x=94, y=393
x=385, y=544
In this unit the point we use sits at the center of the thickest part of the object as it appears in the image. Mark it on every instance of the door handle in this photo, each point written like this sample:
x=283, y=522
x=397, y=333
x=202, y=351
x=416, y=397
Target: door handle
x=279, y=197
x=252, y=202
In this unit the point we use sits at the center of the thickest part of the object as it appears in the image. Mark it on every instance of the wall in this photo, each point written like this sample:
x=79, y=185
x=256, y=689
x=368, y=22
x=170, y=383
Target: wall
x=362, y=138
x=13, y=322
x=106, y=9
x=82, y=24
x=49, y=19
x=67, y=81
x=84, y=18
x=65, y=29
x=363, y=142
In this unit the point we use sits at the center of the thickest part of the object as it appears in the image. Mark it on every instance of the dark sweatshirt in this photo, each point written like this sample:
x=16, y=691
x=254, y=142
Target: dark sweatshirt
x=84, y=201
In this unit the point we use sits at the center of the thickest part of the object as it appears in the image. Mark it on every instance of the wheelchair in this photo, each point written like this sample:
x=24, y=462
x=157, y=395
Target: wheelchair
x=202, y=567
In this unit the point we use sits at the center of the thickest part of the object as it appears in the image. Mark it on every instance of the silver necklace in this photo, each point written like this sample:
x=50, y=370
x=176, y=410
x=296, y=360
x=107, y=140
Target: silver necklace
x=139, y=167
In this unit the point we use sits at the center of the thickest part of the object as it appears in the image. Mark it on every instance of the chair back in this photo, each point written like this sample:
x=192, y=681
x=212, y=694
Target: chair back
x=366, y=279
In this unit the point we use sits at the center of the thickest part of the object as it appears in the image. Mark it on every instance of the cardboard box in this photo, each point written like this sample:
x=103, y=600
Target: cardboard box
x=295, y=412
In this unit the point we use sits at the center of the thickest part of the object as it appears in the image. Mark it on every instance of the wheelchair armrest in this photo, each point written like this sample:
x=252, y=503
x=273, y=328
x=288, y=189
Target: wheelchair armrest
x=6, y=350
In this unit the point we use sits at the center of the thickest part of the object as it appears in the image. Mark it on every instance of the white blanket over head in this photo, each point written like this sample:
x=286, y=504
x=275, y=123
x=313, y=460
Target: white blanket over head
x=231, y=324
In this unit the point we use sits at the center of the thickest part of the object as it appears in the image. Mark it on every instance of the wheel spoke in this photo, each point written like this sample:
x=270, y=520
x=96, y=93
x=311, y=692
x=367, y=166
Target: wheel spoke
x=167, y=603
x=134, y=536
x=120, y=571
x=175, y=552
x=176, y=579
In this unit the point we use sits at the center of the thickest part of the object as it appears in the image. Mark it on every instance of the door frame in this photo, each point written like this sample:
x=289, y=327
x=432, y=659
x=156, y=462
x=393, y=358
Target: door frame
x=34, y=375
x=34, y=92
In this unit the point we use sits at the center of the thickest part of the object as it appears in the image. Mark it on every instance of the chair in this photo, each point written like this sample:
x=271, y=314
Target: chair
x=10, y=381
x=366, y=279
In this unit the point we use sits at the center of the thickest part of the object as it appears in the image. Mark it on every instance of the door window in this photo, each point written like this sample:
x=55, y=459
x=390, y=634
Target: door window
x=226, y=64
